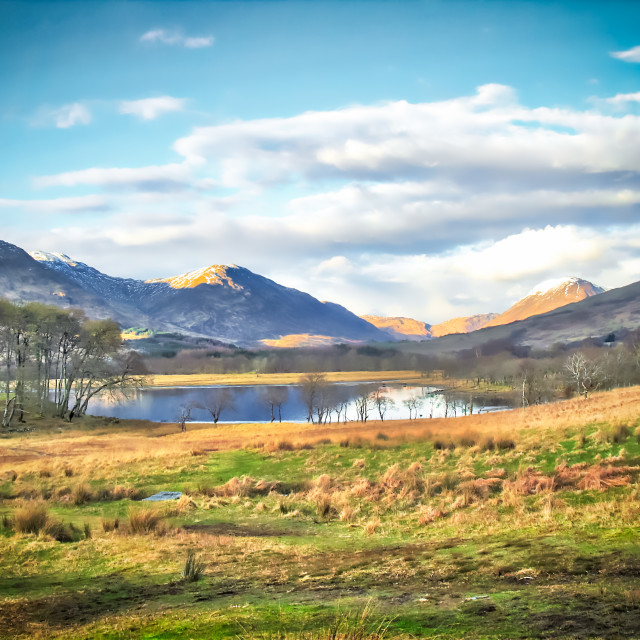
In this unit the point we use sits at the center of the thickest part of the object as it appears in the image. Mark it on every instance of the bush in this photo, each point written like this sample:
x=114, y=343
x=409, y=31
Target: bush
x=143, y=521
x=31, y=518
x=620, y=435
x=58, y=531
x=193, y=568
x=110, y=525
x=81, y=494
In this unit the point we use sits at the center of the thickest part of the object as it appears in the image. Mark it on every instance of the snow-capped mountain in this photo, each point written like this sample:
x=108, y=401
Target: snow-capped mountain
x=547, y=296
x=228, y=303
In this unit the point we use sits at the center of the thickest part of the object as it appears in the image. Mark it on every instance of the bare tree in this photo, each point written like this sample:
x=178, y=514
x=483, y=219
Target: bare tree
x=274, y=397
x=216, y=401
x=312, y=386
x=413, y=403
x=585, y=373
x=363, y=402
x=184, y=416
x=381, y=401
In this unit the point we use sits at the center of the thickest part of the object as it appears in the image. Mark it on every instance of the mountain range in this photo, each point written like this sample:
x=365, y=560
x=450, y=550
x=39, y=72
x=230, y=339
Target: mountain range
x=227, y=303
x=545, y=297
x=234, y=305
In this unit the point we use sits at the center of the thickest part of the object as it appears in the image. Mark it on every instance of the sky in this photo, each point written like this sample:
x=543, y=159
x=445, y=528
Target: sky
x=429, y=159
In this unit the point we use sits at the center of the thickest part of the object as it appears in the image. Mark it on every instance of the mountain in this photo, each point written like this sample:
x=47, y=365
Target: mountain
x=462, y=325
x=401, y=328
x=614, y=311
x=547, y=296
x=227, y=303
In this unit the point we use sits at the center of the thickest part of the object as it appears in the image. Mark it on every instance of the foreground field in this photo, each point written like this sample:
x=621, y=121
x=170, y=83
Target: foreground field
x=522, y=524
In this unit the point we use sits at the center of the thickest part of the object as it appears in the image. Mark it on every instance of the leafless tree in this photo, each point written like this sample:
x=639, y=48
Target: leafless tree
x=413, y=403
x=274, y=397
x=363, y=402
x=312, y=388
x=216, y=401
x=382, y=401
x=585, y=373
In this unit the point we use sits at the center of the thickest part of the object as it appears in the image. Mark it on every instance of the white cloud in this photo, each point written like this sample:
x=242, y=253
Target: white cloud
x=198, y=43
x=151, y=108
x=630, y=55
x=488, y=131
x=69, y=115
x=623, y=98
x=429, y=210
x=173, y=38
x=153, y=178
x=58, y=205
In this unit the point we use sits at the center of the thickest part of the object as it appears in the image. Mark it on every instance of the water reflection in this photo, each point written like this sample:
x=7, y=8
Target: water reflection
x=264, y=403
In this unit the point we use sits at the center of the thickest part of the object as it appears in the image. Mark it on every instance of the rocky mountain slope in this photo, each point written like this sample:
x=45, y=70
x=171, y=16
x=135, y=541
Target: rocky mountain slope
x=227, y=303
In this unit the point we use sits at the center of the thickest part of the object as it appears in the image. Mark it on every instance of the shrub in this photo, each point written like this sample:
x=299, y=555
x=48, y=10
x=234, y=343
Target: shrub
x=81, y=494
x=372, y=526
x=505, y=443
x=68, y=472
x=31, y=518
x=58, y=531
x=193, y=567
x=620, y=435
x=110, y=525
x=382, y=436
x=143, y=521
x=323, y=505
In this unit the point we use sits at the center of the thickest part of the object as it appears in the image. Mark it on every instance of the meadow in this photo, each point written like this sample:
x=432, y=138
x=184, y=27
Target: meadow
x=519, y=524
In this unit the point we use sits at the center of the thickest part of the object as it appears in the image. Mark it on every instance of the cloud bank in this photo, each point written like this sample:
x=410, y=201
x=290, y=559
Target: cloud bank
x=432, y=209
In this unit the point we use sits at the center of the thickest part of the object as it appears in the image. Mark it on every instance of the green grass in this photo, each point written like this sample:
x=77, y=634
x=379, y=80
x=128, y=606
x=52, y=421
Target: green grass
x=554, y=565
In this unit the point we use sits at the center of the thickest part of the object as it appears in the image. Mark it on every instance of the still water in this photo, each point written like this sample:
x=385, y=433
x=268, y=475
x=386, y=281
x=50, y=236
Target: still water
x=250, y=403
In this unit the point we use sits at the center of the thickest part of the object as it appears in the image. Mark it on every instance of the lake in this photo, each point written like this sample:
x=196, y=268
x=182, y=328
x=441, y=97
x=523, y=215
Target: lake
x=249, y=404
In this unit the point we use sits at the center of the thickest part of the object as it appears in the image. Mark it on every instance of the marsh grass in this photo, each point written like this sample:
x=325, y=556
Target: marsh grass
x=193, y=567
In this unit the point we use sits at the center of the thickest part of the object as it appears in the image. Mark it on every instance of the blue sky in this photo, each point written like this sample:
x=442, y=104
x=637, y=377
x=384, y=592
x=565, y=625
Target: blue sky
x=427, y=158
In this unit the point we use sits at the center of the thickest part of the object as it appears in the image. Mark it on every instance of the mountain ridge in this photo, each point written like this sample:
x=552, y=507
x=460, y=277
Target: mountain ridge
x=255, y=308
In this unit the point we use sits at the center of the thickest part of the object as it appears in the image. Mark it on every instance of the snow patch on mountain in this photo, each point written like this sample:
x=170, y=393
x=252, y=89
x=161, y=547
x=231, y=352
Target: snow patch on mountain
x=566, y=283
x=44, y=256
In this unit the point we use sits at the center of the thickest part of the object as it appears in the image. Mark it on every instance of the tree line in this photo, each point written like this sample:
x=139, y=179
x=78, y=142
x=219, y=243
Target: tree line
x=54, y=361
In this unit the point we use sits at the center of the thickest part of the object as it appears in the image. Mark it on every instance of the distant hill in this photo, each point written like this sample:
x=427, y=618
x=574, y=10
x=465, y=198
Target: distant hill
x=548, y=295
x=613, y=311
x=227, y=303
x=462, y=325
x=401, y=328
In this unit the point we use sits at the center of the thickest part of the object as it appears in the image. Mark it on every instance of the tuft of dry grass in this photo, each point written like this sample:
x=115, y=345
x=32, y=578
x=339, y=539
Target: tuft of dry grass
x=143, y=521
x=31, y=518
x=109, y=525
x=371, y=527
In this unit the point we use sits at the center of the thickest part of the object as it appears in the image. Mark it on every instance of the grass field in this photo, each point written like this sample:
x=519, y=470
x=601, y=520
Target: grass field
x=521, y=524
x=254, y=378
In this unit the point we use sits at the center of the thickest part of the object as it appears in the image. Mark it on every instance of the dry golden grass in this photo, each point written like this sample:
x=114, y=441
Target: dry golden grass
x=198, y=379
